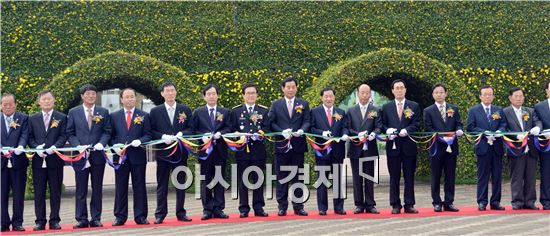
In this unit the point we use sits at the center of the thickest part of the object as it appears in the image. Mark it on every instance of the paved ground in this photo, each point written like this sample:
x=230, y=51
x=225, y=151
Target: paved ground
x=512, y=224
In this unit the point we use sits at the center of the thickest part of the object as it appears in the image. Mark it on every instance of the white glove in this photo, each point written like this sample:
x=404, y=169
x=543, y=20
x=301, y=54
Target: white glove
x=286, y=133
x=135, y=143
x=18, y=150
x=390, y=131
x=217, y=135
x=403, y=133
x=344, y=138
x=326, y=134
x=179, y=134
x=392, y=137
x=459, y=133
x=362, y=134
x=41, y=152
x=298, y=133
x=520, y=136
x=546, y=134
x=372, y=136
x=82, y=148
x=535, y=131
x=51, y=149
x=206, y=137
x=498, y=135
x=168, y=139
x=255, y=137
x=98, y=147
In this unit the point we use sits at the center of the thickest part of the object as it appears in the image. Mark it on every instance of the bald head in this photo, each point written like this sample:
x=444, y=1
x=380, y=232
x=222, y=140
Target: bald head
x=363, y=92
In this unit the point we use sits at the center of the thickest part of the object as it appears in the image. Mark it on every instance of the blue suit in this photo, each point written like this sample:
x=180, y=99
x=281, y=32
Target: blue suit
x=79, y=134
x=489, y=157
x=443, y=161
x=543, y=113
x=136, y=162
x=280, y=120
x=14, y=178
x=338, y=127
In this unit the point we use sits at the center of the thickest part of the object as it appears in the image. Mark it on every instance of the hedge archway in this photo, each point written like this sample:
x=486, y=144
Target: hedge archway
x=379, y=68
x=120, y=69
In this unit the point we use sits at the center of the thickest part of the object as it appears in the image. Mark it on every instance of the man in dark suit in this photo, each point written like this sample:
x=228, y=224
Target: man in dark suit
x=214, y=121
x=523, y=162
x=443, y=117
x=89, y=125
x=542, y=110
x=328, y=120
x=487, y=118
x=401, y=117
x=169, y=121
x=130, y=126
x=47, y=131
x=250, y=118
x=14, y=130
x=364, y=119
x=289, y=115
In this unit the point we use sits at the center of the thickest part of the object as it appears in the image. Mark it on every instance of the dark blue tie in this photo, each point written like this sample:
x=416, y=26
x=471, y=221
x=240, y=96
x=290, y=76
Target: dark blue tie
x=488, y=112
x=212, y=120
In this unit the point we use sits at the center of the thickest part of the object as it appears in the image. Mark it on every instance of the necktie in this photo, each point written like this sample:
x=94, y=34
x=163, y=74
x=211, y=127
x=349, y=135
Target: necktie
x=488, y=112
x=289, y=107
x=9, y=120
x=128, y=119
x=90, y=118
x=363, y=111
x=171, y=114
x=519, y=115
x=212, y=120
x=400, y=110
x=329, y=117
x=442, y=112
x=249, y=110
x=46, y=121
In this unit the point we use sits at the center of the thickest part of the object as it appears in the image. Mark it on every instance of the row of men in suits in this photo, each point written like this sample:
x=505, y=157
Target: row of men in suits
x=90, y=125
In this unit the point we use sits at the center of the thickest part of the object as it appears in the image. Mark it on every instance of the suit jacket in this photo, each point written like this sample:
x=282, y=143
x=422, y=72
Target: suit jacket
x=543, y=113
x=54, y=136
x=434, y=123
x=390, y=119
x=79, y=133
x=160, y=124
x=477, y=122
x=242, y=122
x=15, y=137
x=319, y=123
x=140, y=128
x=222, y=124
x=357, y=124
x=513, y=125
x=280, y=120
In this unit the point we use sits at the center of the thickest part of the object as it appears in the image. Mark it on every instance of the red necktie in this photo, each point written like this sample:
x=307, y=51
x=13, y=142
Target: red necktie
x=128, y=119
x=329, y=117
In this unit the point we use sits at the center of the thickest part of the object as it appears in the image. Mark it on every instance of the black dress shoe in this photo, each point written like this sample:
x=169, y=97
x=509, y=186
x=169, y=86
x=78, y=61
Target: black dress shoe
x=4, y=228
x=39, y=227
x=17, y=228
x=221, y=215
x=55, y=226
x=497, y=208
x=184, y=219
x=451, y=208
x=118, y=222
x=340, y=212
x=438, y=208
x=322, y=213
x=372, y=210
x=142, y=221
x=81, y=224
x=358, y=210
x=206, y=216
x=95, y=224
x=411, y=210
x=516, y=207
x=481, y=207
x=300, y=212
x=243, y=215
x=261, y=213
x=281, y=213
x=159, y=221
x=530, y=207
x=396, y=210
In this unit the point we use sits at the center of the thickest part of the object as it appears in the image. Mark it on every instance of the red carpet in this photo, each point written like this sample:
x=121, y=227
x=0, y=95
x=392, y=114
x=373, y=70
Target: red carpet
x=234, y=218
